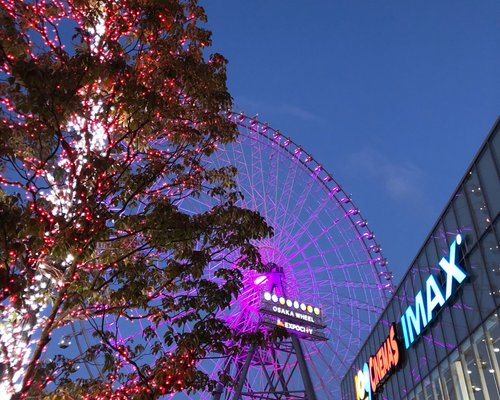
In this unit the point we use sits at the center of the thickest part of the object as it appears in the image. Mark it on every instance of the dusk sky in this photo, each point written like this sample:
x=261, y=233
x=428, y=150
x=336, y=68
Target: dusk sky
x=394, y=98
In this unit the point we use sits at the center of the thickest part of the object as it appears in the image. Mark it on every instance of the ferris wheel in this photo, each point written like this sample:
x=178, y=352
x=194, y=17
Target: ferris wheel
x=326, y=284
x=327, y=278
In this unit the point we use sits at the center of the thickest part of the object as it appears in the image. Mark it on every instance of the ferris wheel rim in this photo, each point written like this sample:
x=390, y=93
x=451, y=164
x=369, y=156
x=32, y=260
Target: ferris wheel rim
x=331, y=185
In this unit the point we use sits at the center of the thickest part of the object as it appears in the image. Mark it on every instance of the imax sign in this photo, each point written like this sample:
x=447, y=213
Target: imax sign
x=369, y=380
x=418, y=316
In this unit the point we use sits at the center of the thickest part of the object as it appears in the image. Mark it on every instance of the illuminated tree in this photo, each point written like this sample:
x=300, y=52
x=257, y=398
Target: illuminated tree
x=109, y=114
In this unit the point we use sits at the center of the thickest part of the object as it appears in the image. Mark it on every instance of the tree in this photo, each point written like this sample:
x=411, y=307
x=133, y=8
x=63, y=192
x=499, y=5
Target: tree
x=110, y=112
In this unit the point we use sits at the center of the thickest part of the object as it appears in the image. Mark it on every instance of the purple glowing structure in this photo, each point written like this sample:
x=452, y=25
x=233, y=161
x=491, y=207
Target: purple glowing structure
x=322, y=254
x=323, y=264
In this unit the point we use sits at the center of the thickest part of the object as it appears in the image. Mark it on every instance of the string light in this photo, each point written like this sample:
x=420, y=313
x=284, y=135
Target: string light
x=59, y=192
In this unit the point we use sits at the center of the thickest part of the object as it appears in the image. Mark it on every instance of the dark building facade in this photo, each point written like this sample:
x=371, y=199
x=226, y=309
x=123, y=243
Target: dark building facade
x=439, y=336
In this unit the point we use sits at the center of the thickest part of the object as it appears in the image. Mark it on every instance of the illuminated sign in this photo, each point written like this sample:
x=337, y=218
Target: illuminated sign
x=297, y=317
x=294, y=327
x=291, y=310
x=415, y=319
x=379, y=367
x=303, y=330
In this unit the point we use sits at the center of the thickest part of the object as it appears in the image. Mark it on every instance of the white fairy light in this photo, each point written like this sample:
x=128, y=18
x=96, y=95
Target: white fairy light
x=18, y=333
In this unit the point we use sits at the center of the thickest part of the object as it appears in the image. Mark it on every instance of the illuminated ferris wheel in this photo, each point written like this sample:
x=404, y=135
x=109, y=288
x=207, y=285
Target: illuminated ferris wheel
x=326, y=281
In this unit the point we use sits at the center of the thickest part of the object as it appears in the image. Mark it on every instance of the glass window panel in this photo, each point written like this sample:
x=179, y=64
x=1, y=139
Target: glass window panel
x=378, y=338
x=432, y=257
x=440, y=239
x=491, y=386
x=423, y=265
x=395, y=391
x=402, y=385
x=400, y=382
x=439, y=343
x=464, y=218
x=397, y=382
x=365, y=354
x=491, y=251
x=474, y=193
x=418, y=393
x=448, y=383
x=424, y=346
x=413, y=376
x=425, y=340
x=428, y=394
x=459, y=378
x=489, y=177
x=473, y=373
x=493, y=343
x=412, y=373
x=465, y=312
x=450, y=224
x=487, y=284
x=391, y=314
x=387, y=389
x=437, y=387
x=350, y=389
x=468, y=291
x=495, y=146
x=430, y=341
x=423, y=361
x=447, y=325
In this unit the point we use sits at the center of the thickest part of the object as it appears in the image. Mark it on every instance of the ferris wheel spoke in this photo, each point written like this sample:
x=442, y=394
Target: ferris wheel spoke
x=258, y=173
x=259, y=189
x=312, y=217
x=274, y=161
x=296, y=209
x=346, y=283
x=328, y=364
x=283, y=205
x=360, y=305
x=319, y=375
x=315, y=240
x=334, y=267
x=239, y=156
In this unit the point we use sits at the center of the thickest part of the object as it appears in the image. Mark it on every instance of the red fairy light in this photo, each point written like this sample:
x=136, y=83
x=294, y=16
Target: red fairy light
x=66, y=198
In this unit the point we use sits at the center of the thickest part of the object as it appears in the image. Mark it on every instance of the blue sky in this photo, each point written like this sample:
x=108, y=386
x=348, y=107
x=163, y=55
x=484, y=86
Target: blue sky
x=393, y=97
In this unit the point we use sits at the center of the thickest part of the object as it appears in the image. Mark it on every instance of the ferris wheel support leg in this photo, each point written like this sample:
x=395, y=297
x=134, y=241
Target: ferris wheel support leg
x=243, y=373
x=304, y=371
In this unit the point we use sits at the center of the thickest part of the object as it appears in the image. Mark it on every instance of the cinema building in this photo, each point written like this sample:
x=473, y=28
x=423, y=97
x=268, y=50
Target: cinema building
x=439, y=336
